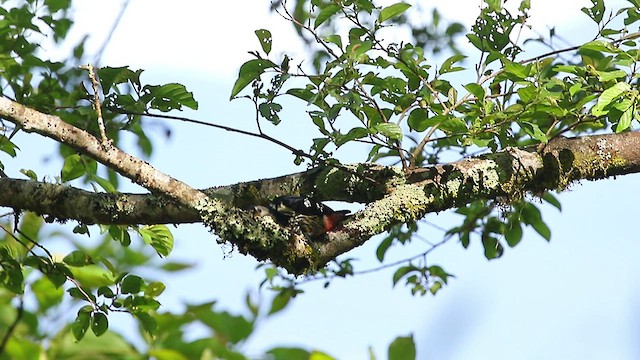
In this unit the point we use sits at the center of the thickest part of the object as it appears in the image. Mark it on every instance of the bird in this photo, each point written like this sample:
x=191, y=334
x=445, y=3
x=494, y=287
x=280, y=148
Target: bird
x=300, y=213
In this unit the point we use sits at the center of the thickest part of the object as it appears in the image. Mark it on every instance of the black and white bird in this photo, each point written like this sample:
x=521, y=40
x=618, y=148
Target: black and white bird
x=313, y=219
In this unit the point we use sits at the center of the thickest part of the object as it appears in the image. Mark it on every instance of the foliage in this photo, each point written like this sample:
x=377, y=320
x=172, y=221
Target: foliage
x=365, y=86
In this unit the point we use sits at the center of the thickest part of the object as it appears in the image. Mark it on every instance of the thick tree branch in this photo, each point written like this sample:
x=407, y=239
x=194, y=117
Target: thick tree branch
x=394, y=197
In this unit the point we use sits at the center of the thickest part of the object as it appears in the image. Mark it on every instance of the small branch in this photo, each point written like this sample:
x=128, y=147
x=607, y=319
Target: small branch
x=138, y=171
x=96, y=102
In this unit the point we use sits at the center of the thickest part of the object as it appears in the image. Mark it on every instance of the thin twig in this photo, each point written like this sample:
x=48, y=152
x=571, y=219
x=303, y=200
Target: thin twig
x=96, y=102
x=264, y=136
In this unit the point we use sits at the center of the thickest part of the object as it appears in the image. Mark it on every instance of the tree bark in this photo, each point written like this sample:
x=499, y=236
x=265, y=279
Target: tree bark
x=390, y=195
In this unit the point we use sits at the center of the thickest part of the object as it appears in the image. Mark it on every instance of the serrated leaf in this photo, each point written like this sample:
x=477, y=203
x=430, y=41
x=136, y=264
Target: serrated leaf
x=250, y=71
x=265, y=38
x=392, y=11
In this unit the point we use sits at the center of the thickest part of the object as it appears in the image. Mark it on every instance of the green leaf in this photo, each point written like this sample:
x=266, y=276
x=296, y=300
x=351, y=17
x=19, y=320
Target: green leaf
x=168, y=97
x=534, y=131
x=402, y=348
x=131, y=284
x=250, y=71
x=29, y=173
x=608, y=96
x=600, y=45
x=605, y=76
x=281, y=300
x=531, y=216
x=518, y=70
x=390, y=130
x=72, y=168
x=81, y=323
x=383, y=247
x=232, y=327
x=175, y=266
x=419, y=119
x=159, y=237
x=92, y=276
x=99, y=323
x=7, y=146
x=264, y=36
x=47, y=294
x=401, y=272
x=355, y=133
x=154, y=289
x=106, y=292
x=625, y=120
x=392, y=11
x=548, y=197
x=148, y=322
x=447, y=64
x=110, y=76
x=105, y=184
x=513, y=233
x=325, y=14
x=282, y=353
x=77, y=258
x=492, y=247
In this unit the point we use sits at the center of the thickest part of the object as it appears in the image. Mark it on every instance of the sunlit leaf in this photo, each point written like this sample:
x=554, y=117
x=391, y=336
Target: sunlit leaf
x=265, y=38
x=250, y=71
x=392, y=11
x=402, y=348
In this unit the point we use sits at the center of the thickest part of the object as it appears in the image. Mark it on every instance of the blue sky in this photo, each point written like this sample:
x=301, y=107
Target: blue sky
x=572, y=298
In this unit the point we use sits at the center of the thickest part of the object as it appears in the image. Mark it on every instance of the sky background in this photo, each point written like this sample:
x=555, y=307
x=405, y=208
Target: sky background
x=576, y=297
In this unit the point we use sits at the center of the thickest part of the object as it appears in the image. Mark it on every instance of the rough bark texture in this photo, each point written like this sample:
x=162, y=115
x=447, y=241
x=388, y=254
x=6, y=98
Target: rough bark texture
x=390, y=195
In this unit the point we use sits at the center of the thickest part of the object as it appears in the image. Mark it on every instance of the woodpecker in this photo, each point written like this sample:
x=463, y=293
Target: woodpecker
x=313, y=219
